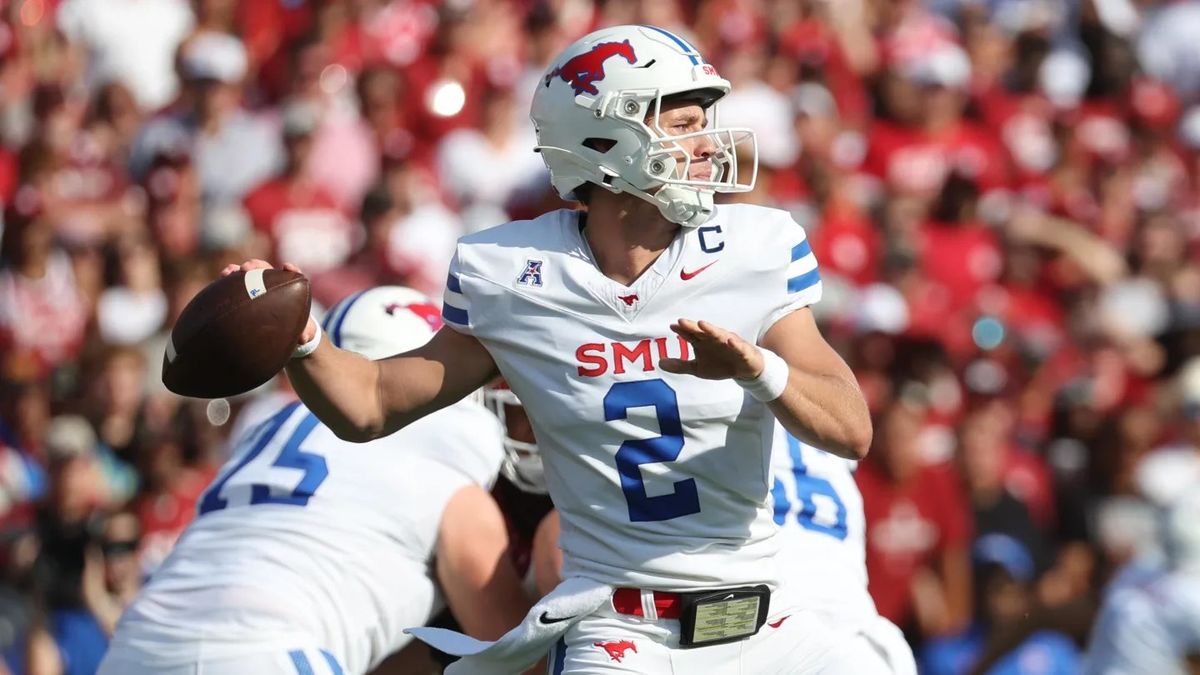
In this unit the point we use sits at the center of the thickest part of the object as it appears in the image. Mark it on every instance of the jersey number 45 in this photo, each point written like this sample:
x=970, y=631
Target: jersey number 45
x=265, y=488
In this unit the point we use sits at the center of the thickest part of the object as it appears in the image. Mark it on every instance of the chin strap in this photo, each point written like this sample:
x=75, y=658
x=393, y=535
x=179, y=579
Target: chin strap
x=684, y=206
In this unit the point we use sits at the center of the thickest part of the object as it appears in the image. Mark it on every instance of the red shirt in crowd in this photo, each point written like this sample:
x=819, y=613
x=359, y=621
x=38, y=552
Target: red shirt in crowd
x=304, y=224
x=907, y=527
x=42, y=321
x=917, y=162
x=962, y=258
x=164, y=515
x=848, y=244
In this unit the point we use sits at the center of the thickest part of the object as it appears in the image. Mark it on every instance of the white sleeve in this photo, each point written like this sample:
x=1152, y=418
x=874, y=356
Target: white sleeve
x=456, y=305
x=798, y=283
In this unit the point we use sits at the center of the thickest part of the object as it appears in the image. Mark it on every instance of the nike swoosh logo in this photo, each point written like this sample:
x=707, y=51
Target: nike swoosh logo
x=545, y=619
x=778, y=622
x=685, y=275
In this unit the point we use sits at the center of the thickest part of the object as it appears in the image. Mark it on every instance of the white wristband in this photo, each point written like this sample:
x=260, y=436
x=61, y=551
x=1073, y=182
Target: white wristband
x=310, y=346
x=771, y=382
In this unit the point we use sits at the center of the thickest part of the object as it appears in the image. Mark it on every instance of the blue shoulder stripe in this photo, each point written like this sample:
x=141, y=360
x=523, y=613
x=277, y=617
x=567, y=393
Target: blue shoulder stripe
x=455, y=315
x=300, y=661
x=804, y=281
x=452, y=284
x=800, y=250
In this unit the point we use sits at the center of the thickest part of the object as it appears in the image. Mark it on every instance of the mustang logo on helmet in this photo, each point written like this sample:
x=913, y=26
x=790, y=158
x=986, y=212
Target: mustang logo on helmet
x=582, y=72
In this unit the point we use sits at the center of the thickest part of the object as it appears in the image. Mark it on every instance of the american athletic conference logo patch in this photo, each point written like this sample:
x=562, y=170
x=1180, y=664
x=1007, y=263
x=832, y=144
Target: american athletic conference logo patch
x=582, y=72
x=532, y=276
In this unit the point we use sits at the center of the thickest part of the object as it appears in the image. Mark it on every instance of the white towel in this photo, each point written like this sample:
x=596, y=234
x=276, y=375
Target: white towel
x=521, y=647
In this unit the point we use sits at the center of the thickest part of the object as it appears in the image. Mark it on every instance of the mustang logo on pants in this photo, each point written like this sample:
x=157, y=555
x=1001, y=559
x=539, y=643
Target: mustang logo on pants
x=616, y=650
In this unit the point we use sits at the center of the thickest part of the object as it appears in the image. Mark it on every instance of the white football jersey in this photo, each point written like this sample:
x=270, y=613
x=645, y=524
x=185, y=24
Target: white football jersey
x=1149, y=623
x=306, y=539
x=661, y=480
x=819, y=510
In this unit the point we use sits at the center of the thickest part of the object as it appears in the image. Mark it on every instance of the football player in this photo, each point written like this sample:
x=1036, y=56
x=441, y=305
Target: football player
x=819, y=510
x=823, y=534
x=1150, y=618
x=310, y=554
x=655, y=430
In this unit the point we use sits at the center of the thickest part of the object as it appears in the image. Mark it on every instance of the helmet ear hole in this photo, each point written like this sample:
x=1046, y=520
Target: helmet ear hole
x=601, y=145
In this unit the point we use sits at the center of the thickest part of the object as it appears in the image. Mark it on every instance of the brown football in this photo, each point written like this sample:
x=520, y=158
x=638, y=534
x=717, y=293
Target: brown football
x=237, y=333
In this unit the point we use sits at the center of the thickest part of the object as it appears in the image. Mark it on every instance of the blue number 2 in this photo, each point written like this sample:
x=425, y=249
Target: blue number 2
x=806, y=487
x=290, y=456
x=664, y=448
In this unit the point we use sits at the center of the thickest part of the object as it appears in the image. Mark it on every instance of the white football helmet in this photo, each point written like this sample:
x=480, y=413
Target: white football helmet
x=591, y=109
x=382, y=321
x=522, y=462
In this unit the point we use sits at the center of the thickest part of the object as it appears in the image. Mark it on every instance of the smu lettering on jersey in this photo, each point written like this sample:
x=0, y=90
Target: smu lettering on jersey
x=306, y=539
x=819, y=510
x=660, y=479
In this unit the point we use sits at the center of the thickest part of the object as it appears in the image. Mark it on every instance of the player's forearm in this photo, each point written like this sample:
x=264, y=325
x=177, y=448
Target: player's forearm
x=342, y=390
x=825, y=411
x=474, y=568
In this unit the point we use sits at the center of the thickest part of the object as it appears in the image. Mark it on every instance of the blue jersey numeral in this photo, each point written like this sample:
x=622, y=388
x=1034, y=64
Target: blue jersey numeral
x=290, y=456
x=807, y=487
x=664, y=448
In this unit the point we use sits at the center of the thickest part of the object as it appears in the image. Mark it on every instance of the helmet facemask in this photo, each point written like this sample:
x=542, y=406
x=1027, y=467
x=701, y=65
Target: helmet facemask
x=522, y=462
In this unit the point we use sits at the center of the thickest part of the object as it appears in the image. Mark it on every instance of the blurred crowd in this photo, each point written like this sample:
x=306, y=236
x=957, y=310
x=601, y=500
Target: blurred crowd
x=1004, y=196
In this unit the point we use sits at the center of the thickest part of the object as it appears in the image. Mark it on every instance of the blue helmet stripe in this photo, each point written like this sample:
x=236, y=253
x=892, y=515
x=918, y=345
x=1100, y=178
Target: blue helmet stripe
x=338, y=317
x=691, y=53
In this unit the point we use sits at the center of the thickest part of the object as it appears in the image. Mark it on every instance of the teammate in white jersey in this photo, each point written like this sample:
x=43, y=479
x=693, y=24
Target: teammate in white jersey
x=1150, y=619
x=819, y=510
x=822, y=530
x=310, y=554
x=655, y=431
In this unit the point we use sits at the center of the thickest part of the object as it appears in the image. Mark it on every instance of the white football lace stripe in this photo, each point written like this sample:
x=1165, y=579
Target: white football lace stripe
x=254, y=283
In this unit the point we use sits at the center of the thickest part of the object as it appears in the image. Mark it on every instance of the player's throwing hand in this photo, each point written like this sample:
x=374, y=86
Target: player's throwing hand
x=720, y=354
x=310, y=329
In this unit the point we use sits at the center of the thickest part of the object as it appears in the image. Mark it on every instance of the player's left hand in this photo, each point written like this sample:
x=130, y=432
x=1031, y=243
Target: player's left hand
x=720, y=354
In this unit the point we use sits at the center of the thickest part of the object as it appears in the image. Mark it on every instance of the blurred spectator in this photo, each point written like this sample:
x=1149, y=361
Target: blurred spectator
x=929, y=136
x=344, y=159
x=170, y=491
x=762, y=105
x=484, y=169
x=114, y=122
x=129, y=41
x=113, y=578
x=42, y=315
x=232, y=149
x=421, y=239
x=24, y=413
x=134, y=308
x=172, y=188
x=918, y=530
x=299, y=217
x=1004, y=573
x=1002, y=493
x=66, y=517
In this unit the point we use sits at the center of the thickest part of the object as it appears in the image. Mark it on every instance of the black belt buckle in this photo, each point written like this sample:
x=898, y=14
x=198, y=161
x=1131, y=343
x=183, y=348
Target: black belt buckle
x=728, y=615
